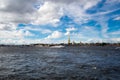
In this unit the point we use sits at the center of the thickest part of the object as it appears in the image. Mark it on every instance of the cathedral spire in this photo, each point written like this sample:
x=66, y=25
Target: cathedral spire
x=69, y=38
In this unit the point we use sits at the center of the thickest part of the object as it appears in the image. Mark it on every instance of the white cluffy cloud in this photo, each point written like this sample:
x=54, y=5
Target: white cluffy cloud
x=117, y=18
x=17, y=34
x=7, y=26
x=38, y=29
x=68, y=30
x=55, y=35
x=49, y=13
x=115, y=32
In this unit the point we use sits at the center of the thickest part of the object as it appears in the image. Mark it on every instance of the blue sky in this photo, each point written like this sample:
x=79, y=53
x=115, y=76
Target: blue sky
x=51, y=21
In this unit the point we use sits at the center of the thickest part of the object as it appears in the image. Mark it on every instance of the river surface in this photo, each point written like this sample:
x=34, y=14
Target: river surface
x=68, y=63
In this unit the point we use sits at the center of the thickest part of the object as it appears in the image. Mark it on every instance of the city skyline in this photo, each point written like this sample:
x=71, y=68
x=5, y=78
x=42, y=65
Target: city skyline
x=52, y=21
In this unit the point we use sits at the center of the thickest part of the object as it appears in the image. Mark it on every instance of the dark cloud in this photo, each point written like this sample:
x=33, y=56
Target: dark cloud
x=19, y=6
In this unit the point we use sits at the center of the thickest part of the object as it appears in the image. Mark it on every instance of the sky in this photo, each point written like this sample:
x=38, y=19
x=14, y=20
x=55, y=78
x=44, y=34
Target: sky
x=51, y=21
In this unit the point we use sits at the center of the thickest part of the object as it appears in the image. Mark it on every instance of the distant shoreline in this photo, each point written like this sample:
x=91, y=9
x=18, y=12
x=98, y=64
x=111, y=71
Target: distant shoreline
x=61, y=44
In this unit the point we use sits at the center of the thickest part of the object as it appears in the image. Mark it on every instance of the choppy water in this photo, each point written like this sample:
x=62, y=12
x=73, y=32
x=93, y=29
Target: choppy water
x=69, y=63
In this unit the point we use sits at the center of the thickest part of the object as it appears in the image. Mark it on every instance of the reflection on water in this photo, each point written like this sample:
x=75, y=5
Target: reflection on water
x=68, y=63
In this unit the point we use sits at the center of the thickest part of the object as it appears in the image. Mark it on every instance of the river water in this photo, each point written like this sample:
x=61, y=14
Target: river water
x=68, y=63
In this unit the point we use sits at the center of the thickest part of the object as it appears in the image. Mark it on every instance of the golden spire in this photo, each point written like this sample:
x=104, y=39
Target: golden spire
x=69, y=38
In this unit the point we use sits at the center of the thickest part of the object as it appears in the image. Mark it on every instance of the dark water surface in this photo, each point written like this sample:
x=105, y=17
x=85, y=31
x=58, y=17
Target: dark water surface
x=68, y=63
